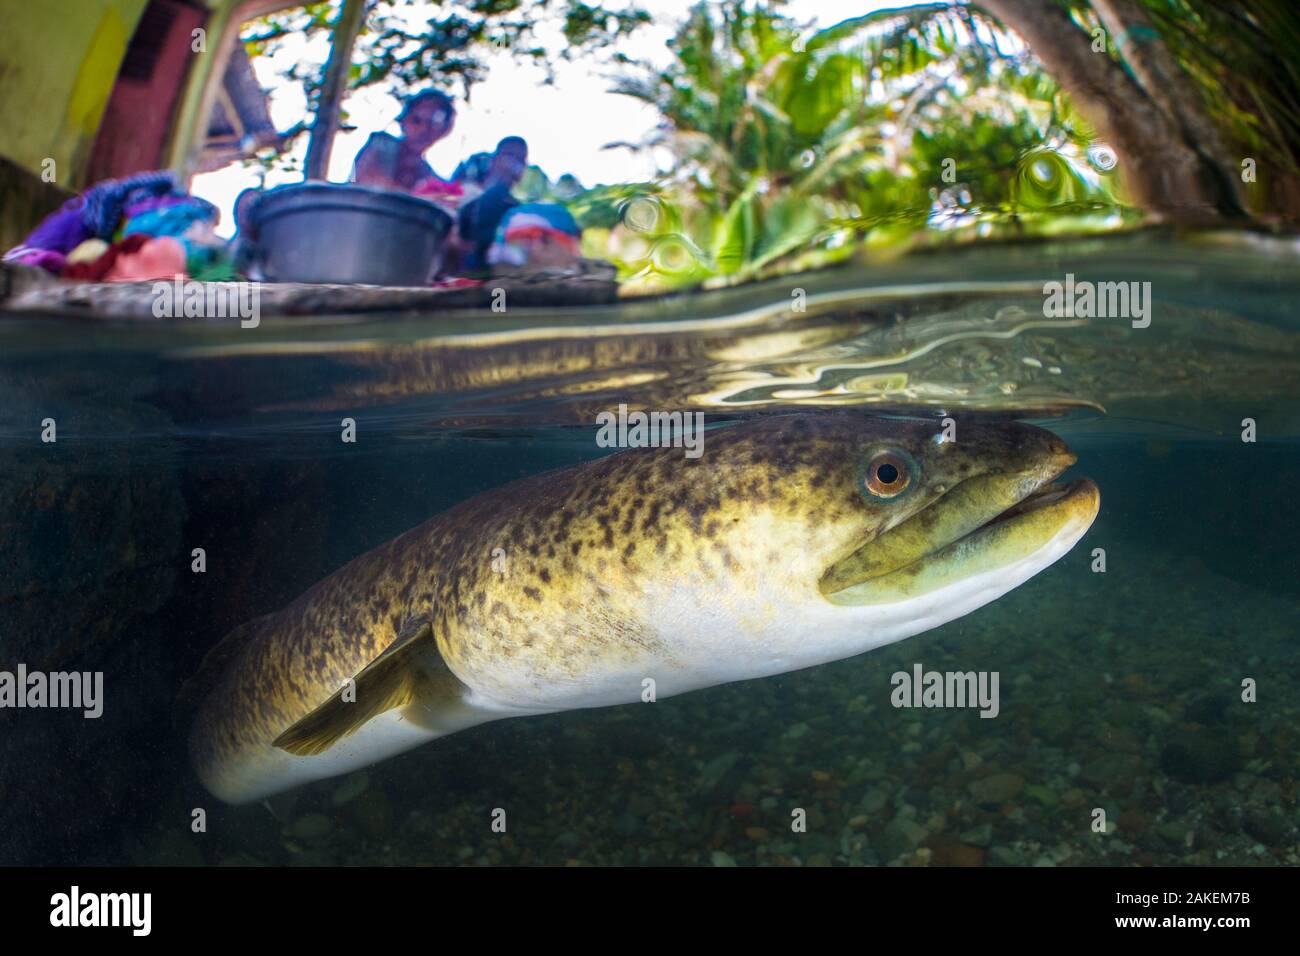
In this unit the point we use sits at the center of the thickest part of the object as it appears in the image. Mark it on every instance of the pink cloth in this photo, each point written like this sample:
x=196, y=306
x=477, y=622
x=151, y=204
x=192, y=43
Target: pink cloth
x=161, y=258
x=435, y=188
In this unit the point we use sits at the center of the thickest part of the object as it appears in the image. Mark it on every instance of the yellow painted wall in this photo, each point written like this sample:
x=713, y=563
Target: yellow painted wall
x=58, y=62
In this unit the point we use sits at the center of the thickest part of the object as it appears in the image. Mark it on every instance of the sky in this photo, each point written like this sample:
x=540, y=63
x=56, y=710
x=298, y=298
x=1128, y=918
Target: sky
x=566, y=124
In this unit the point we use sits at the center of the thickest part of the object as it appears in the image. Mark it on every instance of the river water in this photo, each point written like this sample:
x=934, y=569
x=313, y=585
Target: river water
x=1121, y=691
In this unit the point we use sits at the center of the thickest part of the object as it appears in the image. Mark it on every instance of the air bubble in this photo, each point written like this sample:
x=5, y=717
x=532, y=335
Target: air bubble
x=641, y=214
x=1042, y=171
x=673, y=255
x=1102, y=157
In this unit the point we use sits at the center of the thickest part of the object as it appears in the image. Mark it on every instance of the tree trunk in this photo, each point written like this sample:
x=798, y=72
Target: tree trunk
x=335, y=85
x=1163, y=80
x=1168, y=173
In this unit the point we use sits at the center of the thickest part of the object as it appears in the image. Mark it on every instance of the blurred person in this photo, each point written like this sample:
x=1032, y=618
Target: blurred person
x=496, y=176
x=393, y=162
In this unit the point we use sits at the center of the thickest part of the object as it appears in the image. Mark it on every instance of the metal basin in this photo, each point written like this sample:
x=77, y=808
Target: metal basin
x=329, y=232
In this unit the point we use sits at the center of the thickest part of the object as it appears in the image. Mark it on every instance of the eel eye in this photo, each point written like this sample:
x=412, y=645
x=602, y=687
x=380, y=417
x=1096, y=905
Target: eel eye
x=887, y=475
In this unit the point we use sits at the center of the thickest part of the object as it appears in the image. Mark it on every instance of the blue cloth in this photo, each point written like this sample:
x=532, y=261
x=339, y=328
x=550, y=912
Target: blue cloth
x=548, y=214
x=104, y=202
x=60, y=231
x=171, y=220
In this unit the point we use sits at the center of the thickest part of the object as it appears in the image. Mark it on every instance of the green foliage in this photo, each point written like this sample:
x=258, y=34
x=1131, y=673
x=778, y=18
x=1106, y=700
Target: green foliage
x=1244, y=58
x=444, y=51
x=793, y=147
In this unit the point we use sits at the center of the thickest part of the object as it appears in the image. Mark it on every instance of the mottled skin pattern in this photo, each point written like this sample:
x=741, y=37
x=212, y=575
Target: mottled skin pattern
x=605, y=566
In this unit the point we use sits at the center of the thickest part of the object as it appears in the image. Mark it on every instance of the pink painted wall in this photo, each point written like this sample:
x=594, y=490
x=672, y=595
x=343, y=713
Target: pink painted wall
x=140, y=112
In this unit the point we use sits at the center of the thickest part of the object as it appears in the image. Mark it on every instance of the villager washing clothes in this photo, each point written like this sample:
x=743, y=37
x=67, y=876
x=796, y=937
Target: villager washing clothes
x=392, y=162
x=479, y=192
x=146, y=227
x=492, y=177
x=495, y=229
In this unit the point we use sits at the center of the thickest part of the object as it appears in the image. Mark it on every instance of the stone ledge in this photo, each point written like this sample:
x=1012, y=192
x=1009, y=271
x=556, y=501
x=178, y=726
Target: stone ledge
x=25, y=290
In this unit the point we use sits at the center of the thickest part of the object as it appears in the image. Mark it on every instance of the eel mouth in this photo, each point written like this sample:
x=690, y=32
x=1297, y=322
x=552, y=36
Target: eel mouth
x=981, y=525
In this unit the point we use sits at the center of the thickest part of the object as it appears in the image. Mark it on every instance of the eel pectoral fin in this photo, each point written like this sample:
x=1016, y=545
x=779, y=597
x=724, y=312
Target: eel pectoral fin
x=393, y=679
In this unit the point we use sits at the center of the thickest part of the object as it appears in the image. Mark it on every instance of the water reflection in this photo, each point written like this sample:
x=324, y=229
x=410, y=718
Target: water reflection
x=923, y=332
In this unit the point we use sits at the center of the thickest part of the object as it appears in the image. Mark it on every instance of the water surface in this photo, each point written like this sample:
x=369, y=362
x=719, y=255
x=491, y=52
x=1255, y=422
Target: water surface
x=1120, y=690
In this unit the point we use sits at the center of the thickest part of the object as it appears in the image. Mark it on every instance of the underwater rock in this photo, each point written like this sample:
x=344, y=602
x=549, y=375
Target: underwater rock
x=1123, y=740
x=811, y=843
x=627, y=824
x=1201, y=756
x=1174, y=832
x=373, y=812
x=948, y=853
x=641, y=804
x=1074, y=797
x=566, y=842
x=938, y=759
x=1111, y=771
x=312, y=828
x=1006, y=856
x=716, y=771
x=874, y=800
x=998, y=788
x=1267, y=826
x=1043, y=794
x=1206, y=710
x=902, y=835
x=796, y=732
x=639, y=743
x=353, y=786
x=1136, y=825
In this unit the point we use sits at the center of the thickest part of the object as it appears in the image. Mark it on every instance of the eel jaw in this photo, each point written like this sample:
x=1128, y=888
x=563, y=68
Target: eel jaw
x=1041, y=522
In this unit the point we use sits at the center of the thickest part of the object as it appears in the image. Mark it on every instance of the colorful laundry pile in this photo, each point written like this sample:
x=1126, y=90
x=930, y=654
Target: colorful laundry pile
x=143, y=227
x=538, y=235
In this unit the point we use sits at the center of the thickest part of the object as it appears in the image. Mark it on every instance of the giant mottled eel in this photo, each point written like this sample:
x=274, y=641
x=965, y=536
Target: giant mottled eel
x=779, y=548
